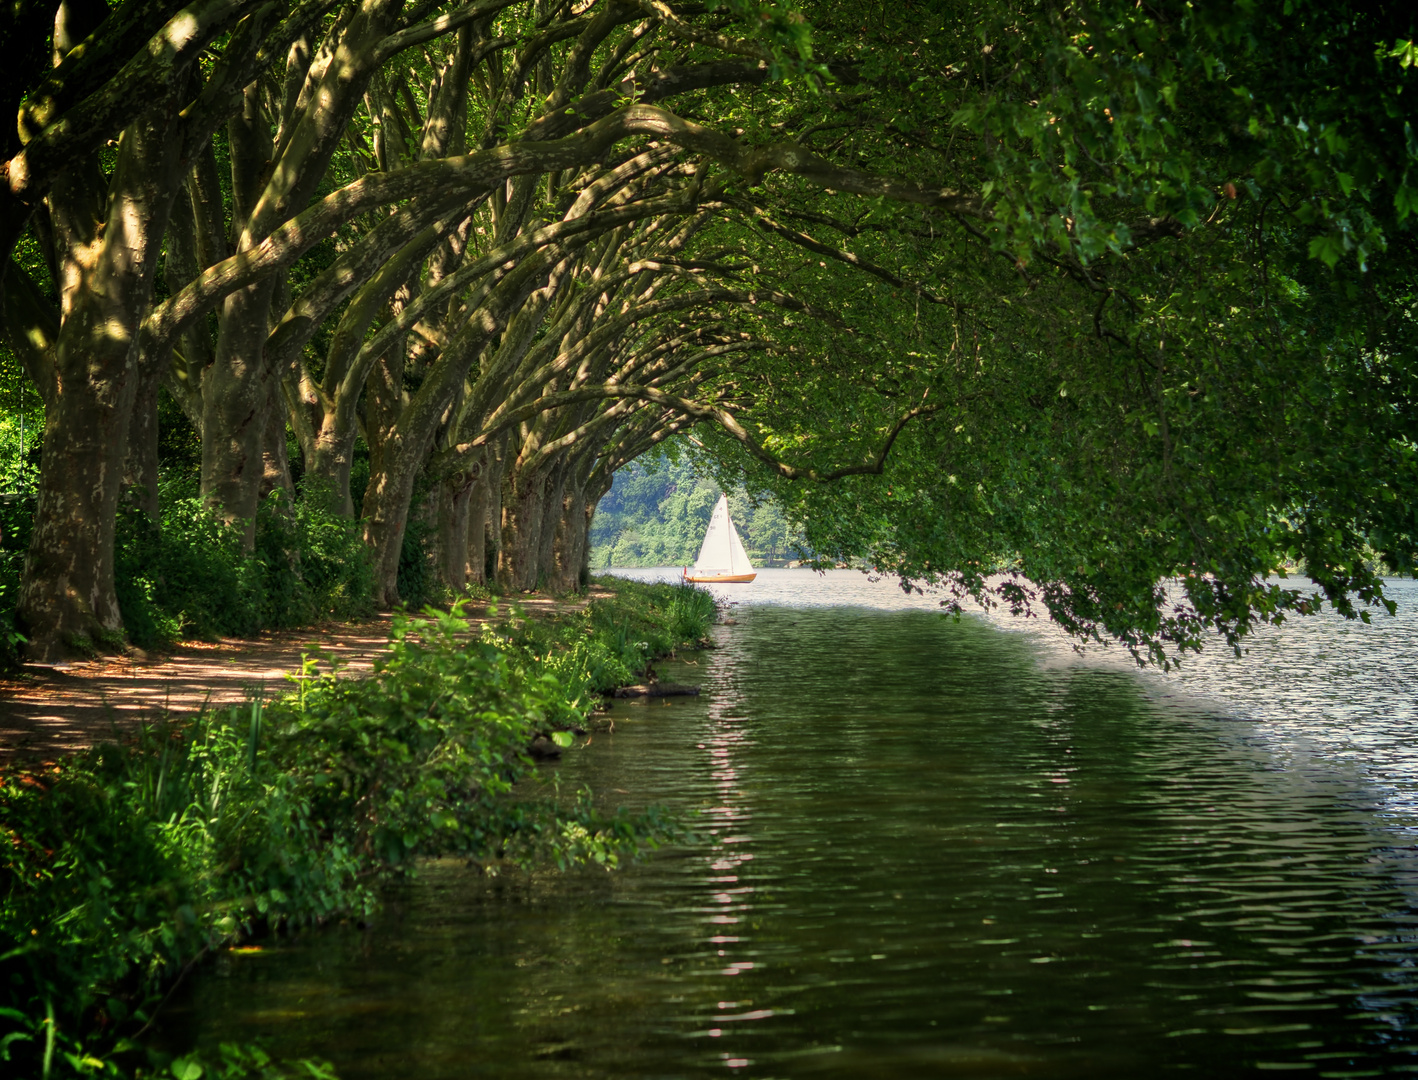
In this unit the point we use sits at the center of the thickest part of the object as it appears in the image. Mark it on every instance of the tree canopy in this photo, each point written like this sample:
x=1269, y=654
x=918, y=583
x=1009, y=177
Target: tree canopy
x=1056, y=302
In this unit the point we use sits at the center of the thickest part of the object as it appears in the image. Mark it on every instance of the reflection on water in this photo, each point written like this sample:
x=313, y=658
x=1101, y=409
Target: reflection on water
x=925, y=848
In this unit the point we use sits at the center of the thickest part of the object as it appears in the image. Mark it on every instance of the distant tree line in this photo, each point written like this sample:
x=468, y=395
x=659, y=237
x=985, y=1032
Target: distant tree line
x=657, y=510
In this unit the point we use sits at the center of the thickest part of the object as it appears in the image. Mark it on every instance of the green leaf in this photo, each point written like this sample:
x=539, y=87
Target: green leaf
x=186, y=1069
x=562, y=738
x=14, y=1036
x=1329, y=249
x=1405, y=201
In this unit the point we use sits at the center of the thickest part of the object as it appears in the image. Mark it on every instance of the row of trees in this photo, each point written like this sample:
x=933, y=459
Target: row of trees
x=1095, y=292
x=484, y=222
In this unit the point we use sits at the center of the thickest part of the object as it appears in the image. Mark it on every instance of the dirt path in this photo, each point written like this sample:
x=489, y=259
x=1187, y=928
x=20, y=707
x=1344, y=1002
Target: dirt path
x=47, y=710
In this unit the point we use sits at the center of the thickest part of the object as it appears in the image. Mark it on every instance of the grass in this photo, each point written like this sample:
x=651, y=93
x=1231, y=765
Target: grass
x=609, y=643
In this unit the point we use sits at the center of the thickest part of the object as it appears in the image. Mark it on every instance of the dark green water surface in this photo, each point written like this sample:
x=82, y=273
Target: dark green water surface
x=924, y=851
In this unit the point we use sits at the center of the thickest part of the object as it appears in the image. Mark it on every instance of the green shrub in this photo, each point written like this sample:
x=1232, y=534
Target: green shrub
x=334, y=563
x=609, y=643
x=189, y=576
x=21, y=438
x=16, y=516
x=313, y=564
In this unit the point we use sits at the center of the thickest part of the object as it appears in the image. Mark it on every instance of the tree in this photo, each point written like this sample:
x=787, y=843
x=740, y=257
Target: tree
x=282, y=135
x=1097, y=294
x=133, y=74
x=1195, y=359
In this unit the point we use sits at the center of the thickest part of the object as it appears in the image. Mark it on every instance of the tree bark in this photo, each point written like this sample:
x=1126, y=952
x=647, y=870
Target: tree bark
x=523, y=510
x=584, y=574
x=454, y=503
x=475, y=556
x=489, y=544
x=275, y=458
x=67, y=599
x=382, y=406
x=552, y=514
x=327, y=473
x=571, y=540
x=140, y=463
x=387, y=503
x=236, y=397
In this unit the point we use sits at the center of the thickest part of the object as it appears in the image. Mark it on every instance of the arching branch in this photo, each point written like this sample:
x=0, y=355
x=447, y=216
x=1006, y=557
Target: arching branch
x=436, y=27
x=803, y=240
x=474, y=174
x=686, y=31
x=872, y=465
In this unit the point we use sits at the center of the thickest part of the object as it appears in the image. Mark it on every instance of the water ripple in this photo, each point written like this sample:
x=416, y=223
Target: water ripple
x=925, y=848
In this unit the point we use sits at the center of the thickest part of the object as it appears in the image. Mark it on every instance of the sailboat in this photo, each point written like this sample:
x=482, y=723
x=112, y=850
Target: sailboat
x=722, y=557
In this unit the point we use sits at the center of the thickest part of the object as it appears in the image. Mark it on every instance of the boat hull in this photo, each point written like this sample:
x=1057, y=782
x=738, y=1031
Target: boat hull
x=718, y=579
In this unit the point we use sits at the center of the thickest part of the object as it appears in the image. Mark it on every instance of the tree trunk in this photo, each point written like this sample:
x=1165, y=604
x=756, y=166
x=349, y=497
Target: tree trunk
x=552, y=514
x=392, y=474
x=140, y=462
x=386, y=510
x=584, y=575
x=67, y=599
x=475, y=555
x=327, y=468
x=492, y=511
x=236, y=397
x=523, y=509
x=275, y=458
x=454, y=501
x=571, y=540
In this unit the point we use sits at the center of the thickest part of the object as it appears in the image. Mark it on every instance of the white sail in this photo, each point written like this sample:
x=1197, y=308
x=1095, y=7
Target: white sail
x=722, y=551
x=738, y=557
x=716, y=553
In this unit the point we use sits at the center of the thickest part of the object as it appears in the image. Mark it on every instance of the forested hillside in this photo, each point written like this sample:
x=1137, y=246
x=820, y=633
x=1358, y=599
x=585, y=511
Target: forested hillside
x=657, y=510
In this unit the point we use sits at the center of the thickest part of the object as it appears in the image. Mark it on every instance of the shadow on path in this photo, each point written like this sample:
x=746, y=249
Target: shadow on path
x=50, y=709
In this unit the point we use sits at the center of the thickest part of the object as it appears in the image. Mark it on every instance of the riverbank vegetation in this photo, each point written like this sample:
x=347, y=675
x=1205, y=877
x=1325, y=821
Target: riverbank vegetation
x=1091, y=295
x=125, y=866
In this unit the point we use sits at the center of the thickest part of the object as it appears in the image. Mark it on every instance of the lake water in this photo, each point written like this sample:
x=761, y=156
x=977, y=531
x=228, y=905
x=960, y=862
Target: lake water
x=925, y=848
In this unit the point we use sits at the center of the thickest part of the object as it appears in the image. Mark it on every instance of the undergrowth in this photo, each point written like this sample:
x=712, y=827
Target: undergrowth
x=187, y=576
x=16, y=515
x=608, y=642
x=124, y=866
